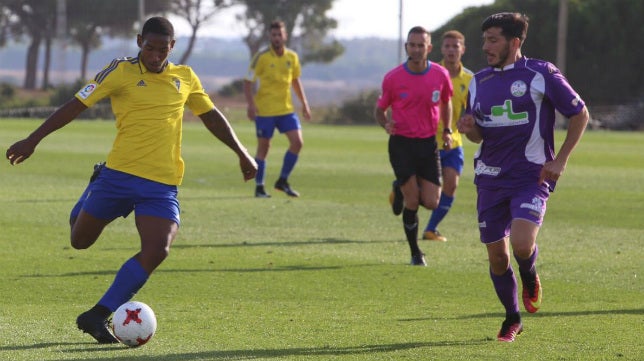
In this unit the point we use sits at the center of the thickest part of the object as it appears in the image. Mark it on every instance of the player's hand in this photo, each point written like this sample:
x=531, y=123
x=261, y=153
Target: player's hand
x=465, y=124
x=551, y=171
x=248, y=166
x=20, y=151
x=447, y=141
x=306, y=111
x=251, y=112
x=390, y=126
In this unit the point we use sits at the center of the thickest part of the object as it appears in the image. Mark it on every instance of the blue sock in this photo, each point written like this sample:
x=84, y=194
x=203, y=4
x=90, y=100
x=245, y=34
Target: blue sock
x=261, y=171
x=129, y=279
x=440, y=212
x=289, y=163
x=505, y=286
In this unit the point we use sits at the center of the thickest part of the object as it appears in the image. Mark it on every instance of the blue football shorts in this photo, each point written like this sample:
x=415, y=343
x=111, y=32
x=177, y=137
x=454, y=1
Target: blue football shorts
x=453, y=158
x=116, y=194
x=497, y=208
x=265, y=126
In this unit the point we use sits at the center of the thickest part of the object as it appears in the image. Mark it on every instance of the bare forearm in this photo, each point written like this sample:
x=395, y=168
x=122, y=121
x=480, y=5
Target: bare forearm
x=299, y=92
x=576, y=128
x=446, y=114
x=58, y=119
x=219, y=126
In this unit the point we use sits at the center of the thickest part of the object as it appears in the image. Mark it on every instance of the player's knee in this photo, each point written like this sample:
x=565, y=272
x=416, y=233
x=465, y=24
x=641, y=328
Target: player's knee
x=80, y=242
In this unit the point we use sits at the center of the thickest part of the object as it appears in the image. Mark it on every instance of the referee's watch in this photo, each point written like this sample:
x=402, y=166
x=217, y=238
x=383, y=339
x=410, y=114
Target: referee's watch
x=447, y=130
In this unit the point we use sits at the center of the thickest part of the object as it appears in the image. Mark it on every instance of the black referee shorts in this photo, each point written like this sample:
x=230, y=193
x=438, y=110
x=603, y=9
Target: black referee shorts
x=415, y=156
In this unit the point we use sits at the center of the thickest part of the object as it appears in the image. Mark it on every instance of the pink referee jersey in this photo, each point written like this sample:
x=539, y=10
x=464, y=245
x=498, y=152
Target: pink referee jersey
x=414, y=99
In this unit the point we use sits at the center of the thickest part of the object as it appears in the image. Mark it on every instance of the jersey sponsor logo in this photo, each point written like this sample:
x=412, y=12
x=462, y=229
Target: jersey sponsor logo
x=482, y=224
x=86, y=91
x=436, y=95
x=502, y=115
x=518, y=88
x=483, y=169
x=536, y=205
x=141, y=83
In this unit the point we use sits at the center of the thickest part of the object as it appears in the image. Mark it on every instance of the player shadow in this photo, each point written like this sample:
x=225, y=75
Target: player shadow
x=252, y=354
x=311, y=242
x=634, y=311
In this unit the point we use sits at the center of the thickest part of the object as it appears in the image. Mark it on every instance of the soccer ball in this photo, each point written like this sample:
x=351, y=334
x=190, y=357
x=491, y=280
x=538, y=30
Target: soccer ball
x=134, y=323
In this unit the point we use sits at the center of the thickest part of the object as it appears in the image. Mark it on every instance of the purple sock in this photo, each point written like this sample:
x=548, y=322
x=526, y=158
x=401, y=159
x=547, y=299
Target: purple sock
x=527, y=265
x=505, y=286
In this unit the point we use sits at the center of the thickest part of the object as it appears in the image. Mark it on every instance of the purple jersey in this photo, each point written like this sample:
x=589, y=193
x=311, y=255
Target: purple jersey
x=515, y=110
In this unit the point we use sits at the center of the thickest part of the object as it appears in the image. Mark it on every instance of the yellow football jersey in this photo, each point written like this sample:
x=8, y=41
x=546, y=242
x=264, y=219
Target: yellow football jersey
x=275, y=74
x=460, y=83
x=149, y=111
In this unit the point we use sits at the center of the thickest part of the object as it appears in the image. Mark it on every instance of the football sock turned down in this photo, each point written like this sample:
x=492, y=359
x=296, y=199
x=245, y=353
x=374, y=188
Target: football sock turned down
x=129, y=279
x=526, y=266
x=440, y=212
x=410, y=222
x=505, y=286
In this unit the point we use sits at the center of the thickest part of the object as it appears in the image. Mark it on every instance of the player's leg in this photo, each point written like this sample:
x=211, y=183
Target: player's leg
x=264, y=128
x=528, y=210
x=289, y=125
x=95, y=209
x=428, y=170
x=495, y=217
x=452, y=165
x=411, y=194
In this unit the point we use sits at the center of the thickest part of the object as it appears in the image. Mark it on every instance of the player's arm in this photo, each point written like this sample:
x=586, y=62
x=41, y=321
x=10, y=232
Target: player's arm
x=446, y=117
x=382, y=119
x=299, y=91
x=23, y=149
x=467, y=125
x=219, y=126
x=251, y=108
x=576, y=127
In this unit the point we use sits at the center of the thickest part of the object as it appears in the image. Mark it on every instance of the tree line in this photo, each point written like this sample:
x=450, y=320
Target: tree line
x=604, y=51
x=85, y=22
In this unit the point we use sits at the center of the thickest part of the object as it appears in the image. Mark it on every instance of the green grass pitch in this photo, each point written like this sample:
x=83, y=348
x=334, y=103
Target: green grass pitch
x=325, y=276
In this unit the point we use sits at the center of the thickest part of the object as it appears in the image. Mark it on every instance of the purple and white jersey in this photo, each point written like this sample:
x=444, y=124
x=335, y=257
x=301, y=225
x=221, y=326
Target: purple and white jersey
x=515, y=110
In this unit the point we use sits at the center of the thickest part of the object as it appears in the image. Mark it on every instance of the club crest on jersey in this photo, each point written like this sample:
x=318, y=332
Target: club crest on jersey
x=177, y=83
x=436, y=95
x=518, y=88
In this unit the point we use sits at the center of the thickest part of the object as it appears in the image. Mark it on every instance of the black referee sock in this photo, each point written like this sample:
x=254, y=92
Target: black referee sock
x=410, y=222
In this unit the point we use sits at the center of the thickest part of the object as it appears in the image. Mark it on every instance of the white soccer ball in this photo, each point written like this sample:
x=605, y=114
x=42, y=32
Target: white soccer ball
x=134, y=323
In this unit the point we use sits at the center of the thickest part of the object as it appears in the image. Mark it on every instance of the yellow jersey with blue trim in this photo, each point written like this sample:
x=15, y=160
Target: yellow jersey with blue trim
x=149, y=111
x=460, y=83
x=275, y=74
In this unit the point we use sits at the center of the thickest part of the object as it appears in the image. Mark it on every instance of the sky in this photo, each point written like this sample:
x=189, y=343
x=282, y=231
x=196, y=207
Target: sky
x=357, y=18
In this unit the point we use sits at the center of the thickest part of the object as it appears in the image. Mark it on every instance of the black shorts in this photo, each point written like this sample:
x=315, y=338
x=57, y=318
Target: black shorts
x=415, y=156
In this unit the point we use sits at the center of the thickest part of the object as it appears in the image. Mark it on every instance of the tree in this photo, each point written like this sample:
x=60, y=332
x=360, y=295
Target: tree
x=91, y=20
x=305, y=18
x=196, y=15
x=600, y=76
x=35, y=18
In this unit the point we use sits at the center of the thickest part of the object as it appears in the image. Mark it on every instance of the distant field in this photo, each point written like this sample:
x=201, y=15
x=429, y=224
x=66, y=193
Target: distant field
x=325, y=276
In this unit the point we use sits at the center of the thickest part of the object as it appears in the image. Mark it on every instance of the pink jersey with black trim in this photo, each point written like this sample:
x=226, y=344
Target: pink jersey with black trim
x=415, y=98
